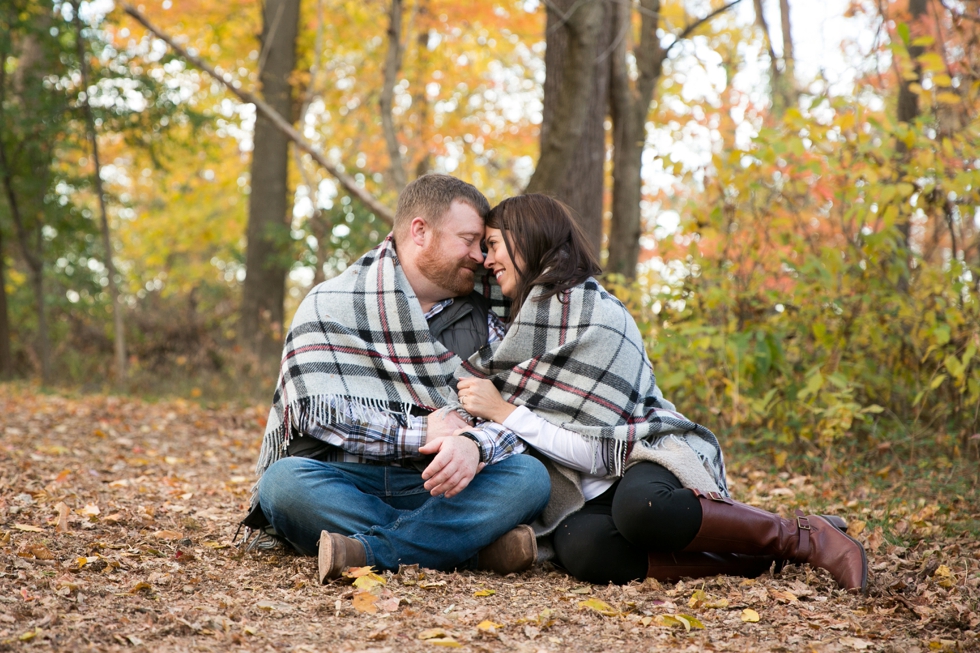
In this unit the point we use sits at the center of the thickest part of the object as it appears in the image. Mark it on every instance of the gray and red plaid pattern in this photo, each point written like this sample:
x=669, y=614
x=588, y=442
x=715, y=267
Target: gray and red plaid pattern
x=360, y=342
x=578, y=360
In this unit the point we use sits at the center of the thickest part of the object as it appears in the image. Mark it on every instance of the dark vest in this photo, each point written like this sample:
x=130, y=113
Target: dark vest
x=462, y=327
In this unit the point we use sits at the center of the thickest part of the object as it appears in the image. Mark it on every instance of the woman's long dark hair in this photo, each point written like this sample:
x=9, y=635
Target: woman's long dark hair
x=541, y=232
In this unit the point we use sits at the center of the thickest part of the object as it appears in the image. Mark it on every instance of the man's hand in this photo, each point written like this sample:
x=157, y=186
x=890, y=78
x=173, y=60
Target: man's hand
x=480, y=398
x=457, y=461
x=441, y=424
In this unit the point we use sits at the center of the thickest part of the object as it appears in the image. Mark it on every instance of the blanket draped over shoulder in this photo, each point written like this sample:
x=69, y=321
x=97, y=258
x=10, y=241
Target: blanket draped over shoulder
x=360, y=337
x=578, y=361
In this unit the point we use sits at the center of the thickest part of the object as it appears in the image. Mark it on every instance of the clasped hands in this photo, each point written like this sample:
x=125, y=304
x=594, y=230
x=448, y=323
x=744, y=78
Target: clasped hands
x=457, y=458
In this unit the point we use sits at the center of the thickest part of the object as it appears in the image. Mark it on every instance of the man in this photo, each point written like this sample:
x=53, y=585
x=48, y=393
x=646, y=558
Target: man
x=374, y=472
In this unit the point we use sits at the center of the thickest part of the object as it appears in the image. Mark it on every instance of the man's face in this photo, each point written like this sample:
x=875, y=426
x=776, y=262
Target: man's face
x=453, y=254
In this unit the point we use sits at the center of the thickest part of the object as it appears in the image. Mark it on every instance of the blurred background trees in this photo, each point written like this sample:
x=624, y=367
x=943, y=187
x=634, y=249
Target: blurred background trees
x=800, y=242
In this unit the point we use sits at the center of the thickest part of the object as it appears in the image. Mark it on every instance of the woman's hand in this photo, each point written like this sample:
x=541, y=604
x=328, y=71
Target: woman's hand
x=481, y=399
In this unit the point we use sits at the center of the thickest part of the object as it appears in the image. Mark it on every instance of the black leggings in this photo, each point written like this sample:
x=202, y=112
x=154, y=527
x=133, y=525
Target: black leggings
x=608, y=539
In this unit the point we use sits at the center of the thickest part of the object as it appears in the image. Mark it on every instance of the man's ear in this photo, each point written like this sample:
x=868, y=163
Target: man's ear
x=418, y=230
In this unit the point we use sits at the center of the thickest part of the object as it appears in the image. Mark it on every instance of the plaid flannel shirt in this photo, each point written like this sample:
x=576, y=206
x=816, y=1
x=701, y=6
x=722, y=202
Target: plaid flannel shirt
x=366, y=435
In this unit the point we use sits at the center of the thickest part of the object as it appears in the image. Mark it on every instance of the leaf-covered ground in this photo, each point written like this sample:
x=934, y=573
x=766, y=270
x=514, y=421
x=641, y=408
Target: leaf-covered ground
x=116, y=518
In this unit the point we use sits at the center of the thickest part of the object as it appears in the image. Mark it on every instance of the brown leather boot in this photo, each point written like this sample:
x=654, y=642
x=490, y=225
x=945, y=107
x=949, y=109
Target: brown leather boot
x=731, y=527
x=516, y=550
x=671, y=567
x=336, y=553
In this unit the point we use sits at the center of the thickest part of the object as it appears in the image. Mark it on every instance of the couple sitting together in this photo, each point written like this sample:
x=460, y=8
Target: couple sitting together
x=412, y=425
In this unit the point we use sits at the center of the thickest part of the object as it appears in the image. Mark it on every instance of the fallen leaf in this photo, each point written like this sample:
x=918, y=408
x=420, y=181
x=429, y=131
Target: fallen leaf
x=28, y=528
x=365, y=602
x=582, y=589
x=167, y=535
x=784, y=597
x=750, y=616
x=700, y=600
x=389, y=604
x=357, y=572
x=216, y=545
x=90, y=510
x=269, y=606
x=599, y=606
x=445, y=641
x=368, y=581
x=429, y=585
x=433, y=633
x=489, y=627
x=855, y=643
x=685, y=621
x=855, y=528
x=141, y=586
x=40, y=552
x=484, y=593
x=63, y=510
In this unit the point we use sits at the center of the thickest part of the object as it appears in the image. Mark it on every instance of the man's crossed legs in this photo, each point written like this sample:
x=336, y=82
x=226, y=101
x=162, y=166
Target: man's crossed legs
x=393, y=516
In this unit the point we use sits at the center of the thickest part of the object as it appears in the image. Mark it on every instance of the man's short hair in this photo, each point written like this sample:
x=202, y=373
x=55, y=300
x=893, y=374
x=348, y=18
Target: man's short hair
x=430, y=197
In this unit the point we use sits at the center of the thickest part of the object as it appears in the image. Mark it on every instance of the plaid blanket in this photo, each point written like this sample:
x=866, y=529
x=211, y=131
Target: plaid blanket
x=578, y=361
x=360, y=337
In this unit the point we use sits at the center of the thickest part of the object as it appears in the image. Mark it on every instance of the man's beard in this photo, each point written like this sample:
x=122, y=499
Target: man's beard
x=455, y=276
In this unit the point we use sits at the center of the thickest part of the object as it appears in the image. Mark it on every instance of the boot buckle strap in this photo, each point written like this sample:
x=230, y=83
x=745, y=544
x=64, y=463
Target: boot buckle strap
x=714, y=496
x=803, y=523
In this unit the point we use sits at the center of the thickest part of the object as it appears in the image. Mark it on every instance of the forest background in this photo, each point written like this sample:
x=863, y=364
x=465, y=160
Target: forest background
x=802, y=254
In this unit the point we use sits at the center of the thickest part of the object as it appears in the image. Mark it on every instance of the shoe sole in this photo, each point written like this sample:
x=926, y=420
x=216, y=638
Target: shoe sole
x=325, y=559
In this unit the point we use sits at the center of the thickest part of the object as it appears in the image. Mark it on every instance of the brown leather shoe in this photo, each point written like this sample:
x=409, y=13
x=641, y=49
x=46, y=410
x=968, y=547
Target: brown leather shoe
x=336, y=553
x=514, y=551
x=731, y=527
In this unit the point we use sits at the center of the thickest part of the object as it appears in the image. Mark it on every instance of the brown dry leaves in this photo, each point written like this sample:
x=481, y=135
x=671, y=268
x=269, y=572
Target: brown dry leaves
x=116, y=515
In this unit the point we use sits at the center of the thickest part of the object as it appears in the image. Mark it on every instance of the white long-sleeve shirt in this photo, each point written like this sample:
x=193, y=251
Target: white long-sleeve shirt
x=562, y=446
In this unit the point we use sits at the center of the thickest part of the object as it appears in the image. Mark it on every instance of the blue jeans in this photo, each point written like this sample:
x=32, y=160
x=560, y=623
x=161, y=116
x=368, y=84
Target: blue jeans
x=388, y=510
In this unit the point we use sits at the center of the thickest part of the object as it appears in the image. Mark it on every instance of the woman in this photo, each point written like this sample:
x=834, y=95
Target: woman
x=637, y=489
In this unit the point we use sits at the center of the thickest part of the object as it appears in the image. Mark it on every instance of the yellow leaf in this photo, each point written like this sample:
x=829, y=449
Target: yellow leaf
x=484, y=593
x=369, y=581
x=582, y=589
x=430, y=585
x=433, y=633
x=487, y=626
x=750, y=616
x=945, y=97
x=599, y=606
x=446, y=641
x=138, y=587
x=28, y=528
x=365, y=602
x=29, y=635
x=855, y=528
x=90, y=510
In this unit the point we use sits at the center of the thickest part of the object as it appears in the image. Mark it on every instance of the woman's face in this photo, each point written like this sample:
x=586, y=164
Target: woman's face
x=498, y=260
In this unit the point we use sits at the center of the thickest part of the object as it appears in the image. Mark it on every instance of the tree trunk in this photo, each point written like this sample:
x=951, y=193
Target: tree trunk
x=267, y=261
x=393, y=62
x=582, y=24
x=6, y=358
x=117, y=316
x=790, y=89
x=908, y=111
x=583, y=184
x=630, y=105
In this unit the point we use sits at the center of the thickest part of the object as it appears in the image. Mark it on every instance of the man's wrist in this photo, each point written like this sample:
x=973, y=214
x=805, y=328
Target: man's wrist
x=479, y=447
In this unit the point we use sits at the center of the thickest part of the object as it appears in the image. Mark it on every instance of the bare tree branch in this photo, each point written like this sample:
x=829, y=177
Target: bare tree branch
x=698, y=23
x=348, y=183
